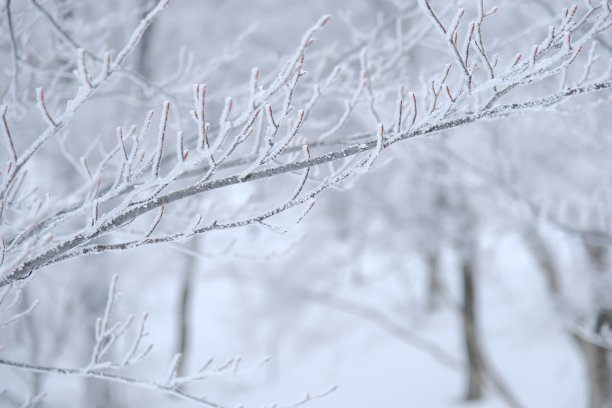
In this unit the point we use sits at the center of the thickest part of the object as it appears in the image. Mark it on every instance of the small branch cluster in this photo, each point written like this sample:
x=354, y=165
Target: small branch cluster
x=11, y=300
x=101, y=366
x=106, y=336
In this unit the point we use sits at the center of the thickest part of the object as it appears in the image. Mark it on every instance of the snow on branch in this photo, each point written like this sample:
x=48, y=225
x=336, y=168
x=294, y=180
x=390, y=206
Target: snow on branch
x=82, y=95
x=101, y=366
x=107, y=334
x=280, y=115
x=8, y=308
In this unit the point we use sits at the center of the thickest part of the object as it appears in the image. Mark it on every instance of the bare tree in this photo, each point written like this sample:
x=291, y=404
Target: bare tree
x=321, y=119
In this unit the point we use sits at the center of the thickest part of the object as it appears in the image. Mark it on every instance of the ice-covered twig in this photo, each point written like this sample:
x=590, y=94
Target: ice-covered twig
x=8, y=308
x=7, y=134
x=449, y=35
x=18, y=316
x=311, y=397
x=107, y=334
x=33, y=400
x=42, y=106
x=82, y=95
x=161, y=133
x=111, y=377
x=14, y=51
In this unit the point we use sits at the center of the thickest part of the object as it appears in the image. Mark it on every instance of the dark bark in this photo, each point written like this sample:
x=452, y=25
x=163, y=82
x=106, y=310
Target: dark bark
x=183, y=318
x=143, y=55
x=596, y=359
x=434, y=289
x=480, y=373
x=34, y=339
x=475, y=384
x=185, y=300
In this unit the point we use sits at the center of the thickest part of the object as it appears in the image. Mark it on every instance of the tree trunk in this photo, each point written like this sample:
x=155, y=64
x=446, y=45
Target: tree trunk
x=183, y=329
x=599, y=366
x=470, y=332
x=434, y=289
x=143, y=61
x=184, y=305
x=34, y=338
x=596, y=359
x=597, y=362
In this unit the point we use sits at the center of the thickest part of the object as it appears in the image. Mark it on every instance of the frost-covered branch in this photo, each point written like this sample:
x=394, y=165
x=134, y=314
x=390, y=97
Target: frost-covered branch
x=8, y=308
x=136, y=177
x=102, y=367
x=83, y=94
x=131, y=212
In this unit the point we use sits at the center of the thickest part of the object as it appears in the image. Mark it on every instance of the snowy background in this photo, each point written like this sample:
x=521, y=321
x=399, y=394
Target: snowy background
x=366, y=293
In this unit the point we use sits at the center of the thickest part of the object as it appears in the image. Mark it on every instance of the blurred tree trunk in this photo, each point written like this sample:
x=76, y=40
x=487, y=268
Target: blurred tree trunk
x=475, y=373
x=465, y=234
x=596, y=359
x=480, y=372
x=183, y=317
x=598, y=369
x=143, y=62
x=434, y=285
x=185, y=300
x=33, y=336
